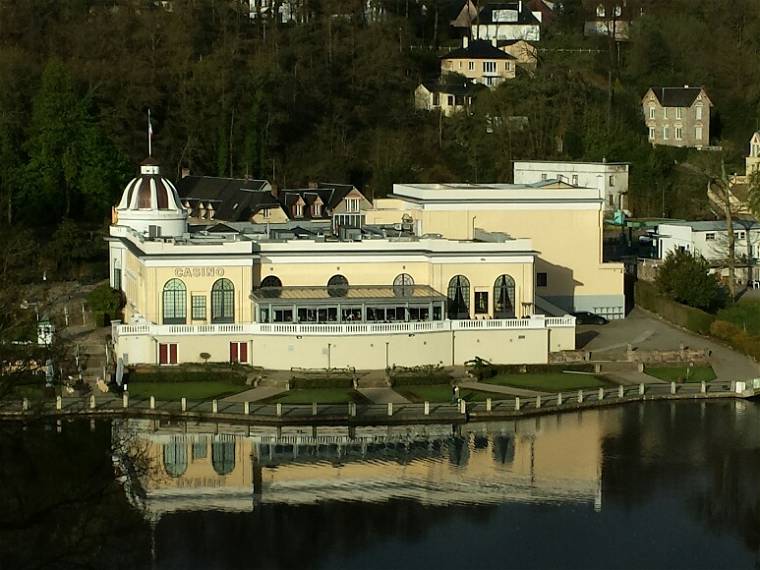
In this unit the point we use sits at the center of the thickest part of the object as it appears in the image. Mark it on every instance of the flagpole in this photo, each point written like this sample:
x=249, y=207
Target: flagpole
x=150, y=128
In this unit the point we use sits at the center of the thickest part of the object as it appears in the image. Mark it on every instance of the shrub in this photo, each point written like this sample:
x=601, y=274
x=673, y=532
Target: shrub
x=316, y=382
x=419, y=375
x=105, y=303
x=686, y=279
x=485, y=372
x=182, y=375
x=737, y=338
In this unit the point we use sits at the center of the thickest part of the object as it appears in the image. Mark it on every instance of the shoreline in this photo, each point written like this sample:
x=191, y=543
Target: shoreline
x=353, y=415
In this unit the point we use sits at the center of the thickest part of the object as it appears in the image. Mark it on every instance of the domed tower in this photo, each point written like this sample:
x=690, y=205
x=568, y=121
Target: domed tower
x=150, y=204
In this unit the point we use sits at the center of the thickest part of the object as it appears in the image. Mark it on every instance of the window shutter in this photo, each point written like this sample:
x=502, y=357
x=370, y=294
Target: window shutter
x=162, y=354
x=233, y=352
x=172, y=354
x=244, y=352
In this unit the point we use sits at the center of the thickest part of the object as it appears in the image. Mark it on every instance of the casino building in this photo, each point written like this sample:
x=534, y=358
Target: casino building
x=320, y=277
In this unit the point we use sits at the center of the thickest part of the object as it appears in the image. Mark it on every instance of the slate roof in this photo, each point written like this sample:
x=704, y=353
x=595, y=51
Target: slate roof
x=331, y=196
x=523, y=17
x=676, y=96
x=233, y=199
x=478, y=49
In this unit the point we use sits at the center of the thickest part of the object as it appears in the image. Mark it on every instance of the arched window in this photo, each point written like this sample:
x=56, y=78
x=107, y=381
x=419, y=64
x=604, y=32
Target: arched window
x=271, y=286
x=223, y=457
x=175, y=458
x=223, y=302
x=459, y=297
x=337, y=286
x=504, y=297
x=403, y=285
x=175, y=302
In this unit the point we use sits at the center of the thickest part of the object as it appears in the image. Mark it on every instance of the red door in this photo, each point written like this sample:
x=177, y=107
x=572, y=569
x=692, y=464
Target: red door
x=244, y=352
x=172, y=354
x=163, y=354
x=233, y=352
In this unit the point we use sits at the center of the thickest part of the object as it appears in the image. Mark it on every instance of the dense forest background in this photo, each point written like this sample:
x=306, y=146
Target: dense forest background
x=331, y=99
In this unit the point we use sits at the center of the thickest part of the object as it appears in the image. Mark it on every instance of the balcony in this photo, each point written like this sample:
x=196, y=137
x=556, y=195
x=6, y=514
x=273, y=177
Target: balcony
x=337, y=329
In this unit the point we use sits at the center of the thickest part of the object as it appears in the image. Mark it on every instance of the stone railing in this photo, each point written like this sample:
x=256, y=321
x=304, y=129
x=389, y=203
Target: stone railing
x=303, y=329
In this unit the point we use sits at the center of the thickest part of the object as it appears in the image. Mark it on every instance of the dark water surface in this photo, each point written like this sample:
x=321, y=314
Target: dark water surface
x=655, y=485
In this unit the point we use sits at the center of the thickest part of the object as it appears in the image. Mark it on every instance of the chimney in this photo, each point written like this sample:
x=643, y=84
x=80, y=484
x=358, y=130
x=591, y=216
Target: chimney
x=685, y=86
x=465, y=41
x=185, y=172
x=519, y=7
x=313, y=185
x=275, y=190
x=493, y=42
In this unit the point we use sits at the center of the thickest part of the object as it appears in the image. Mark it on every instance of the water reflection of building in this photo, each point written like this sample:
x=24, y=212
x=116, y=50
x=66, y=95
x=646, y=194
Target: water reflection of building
x=546, y=459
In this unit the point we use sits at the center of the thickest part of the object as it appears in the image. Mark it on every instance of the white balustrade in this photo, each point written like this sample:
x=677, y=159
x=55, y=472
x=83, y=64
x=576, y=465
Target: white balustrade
x=535, y=322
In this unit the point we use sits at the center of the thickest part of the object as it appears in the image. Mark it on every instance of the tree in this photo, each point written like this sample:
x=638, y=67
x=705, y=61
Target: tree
x=686, y=279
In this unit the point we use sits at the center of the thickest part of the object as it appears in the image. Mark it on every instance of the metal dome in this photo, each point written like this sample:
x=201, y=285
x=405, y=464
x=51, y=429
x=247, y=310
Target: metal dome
x=150, y=191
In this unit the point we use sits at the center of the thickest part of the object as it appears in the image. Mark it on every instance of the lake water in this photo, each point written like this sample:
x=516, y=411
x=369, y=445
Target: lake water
x=654, y=485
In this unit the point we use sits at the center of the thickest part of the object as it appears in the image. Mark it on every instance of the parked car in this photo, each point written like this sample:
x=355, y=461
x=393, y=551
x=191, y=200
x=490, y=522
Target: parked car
x=586, y=318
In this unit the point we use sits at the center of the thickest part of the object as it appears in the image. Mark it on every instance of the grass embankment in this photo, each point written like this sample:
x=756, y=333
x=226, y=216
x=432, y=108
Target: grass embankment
x=549, y=381
x=679, y=372
x=745, y=314
x=318, y=395
x=191, y=382
x=441, y=393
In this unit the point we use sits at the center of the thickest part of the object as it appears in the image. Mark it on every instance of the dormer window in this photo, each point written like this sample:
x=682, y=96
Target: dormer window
x=600, y=11
x=352, y=204
x=298, y=210
x=266, y=213
x=316, y=210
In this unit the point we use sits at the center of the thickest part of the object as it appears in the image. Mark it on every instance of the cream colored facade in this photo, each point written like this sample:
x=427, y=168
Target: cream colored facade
x=564, y=224
x=438, y=277
x=484, y=71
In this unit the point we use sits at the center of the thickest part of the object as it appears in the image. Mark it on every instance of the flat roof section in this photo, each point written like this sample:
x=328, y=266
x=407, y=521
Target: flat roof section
x=348, y=295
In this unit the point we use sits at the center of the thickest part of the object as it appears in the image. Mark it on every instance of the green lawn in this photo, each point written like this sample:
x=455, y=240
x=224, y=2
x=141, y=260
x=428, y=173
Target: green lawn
x=441, y=393
x=744, y=314
x=550, y=381
x=318, y=395
x=189, y=390
x=678, y=373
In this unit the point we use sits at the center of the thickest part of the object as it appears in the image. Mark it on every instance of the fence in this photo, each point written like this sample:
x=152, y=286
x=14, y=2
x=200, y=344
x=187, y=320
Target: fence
x=373, y=414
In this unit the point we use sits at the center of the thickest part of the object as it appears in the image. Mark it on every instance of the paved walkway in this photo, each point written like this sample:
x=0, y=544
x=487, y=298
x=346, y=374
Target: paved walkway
x=383, y=395
x=627, y=373
x=506, y=390
x=647, y=332
x=255, y=394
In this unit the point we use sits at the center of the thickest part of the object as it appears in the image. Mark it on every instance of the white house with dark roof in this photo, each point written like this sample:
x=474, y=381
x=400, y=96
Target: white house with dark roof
x=449, y=97
x=677, y=116
x=507, y=21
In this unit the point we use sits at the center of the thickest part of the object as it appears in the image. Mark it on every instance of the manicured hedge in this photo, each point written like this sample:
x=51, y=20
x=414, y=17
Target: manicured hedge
x=690, y=318
x=419, y=375
x=181, y=375
x=316, y=382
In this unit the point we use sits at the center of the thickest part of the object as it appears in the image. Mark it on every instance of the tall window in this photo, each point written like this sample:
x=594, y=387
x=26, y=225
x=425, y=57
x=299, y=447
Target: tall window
x=198, y=305
x=223, y=457
x=316, y=210
x=679, y=133
x=352, y=204
x=403, y=285
x=652, y=112
x=504, y=297
x=665, y=133
x=337, y=286
x=651, y=133
x=612, y=180
x=489, y=67
x=223, y=302
x=175, y=302
x=471, y=66
x=575, y=180
x=298, y=210
x=699, y=111
x=459, y=297
x=117, y=278
x=679, y=113
x=698, y=134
